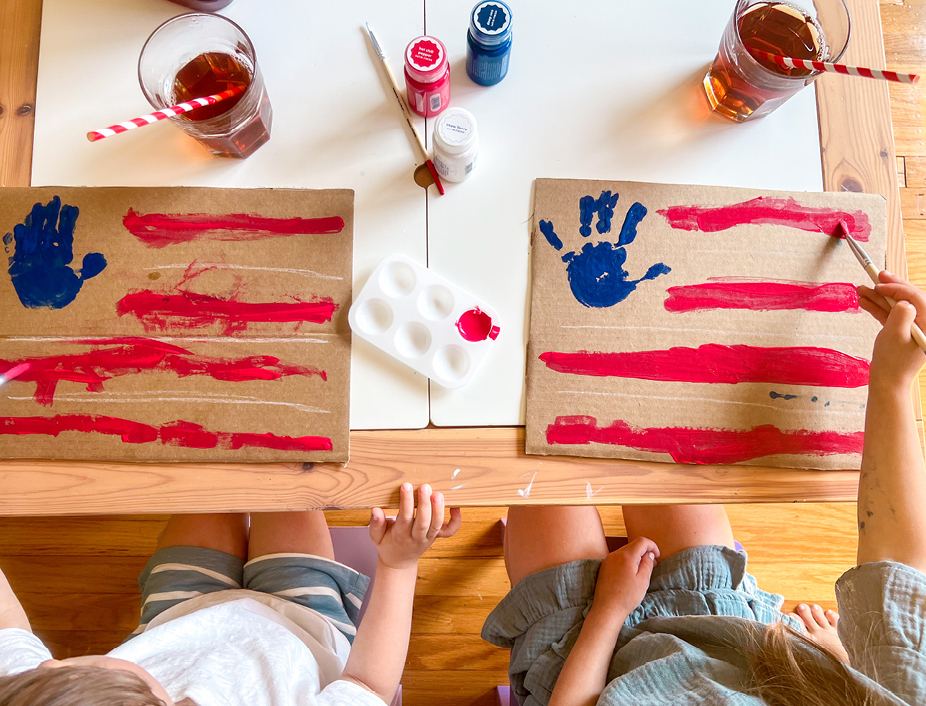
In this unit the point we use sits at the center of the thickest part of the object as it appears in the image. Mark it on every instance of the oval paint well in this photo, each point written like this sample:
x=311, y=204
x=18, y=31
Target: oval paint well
x=475, y=325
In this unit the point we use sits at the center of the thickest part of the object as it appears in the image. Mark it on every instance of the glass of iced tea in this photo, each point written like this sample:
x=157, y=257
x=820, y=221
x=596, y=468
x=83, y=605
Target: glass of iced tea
x=199, y=54
x=743, y=86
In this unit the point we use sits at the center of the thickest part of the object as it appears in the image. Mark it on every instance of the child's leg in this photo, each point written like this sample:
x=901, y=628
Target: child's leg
x=539, y=538
x=226, y=533
x=678, y=527
x=290, y=533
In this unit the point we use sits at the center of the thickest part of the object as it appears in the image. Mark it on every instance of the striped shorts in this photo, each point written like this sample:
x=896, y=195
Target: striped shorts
x=176, y=574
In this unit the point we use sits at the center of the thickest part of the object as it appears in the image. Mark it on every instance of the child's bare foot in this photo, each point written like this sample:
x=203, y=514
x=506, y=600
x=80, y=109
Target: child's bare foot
x=821, y=628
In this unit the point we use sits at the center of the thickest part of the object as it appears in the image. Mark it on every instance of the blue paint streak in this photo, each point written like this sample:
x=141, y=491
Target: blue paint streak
x=39, y=267
x=778, y=396
x=552, y=238
x=596, y=273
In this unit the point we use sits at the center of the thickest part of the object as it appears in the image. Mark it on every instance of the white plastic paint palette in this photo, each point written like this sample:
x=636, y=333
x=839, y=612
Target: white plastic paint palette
x=424, y=321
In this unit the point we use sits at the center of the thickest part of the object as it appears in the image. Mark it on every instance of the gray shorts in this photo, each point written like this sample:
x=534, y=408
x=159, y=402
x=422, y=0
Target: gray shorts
x=176, y=574
x=540, y=618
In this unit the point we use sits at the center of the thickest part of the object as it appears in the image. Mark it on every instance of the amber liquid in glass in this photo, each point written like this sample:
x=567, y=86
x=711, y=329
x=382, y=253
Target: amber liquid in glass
x=775, y=27
x=215, y=72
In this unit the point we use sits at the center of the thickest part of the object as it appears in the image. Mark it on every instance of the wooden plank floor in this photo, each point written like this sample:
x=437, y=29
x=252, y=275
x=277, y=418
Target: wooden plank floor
x=76, y=579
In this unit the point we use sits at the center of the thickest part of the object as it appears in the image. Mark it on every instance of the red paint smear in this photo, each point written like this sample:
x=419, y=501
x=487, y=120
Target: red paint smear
x=763, y=296
x=157, y=230
x=765, y=210
x=131, y=356
x=475, y=325
x=177, y=433
x=714, y=363
x=189, y=311
x=687, y=445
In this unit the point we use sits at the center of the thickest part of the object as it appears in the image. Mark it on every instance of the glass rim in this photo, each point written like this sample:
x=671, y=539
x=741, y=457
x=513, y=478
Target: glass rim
x=813, y=74
x=186, y=16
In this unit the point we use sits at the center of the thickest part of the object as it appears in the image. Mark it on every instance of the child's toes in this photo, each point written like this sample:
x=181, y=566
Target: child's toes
x=832, y=617
x=818, y=616
x=803, y=613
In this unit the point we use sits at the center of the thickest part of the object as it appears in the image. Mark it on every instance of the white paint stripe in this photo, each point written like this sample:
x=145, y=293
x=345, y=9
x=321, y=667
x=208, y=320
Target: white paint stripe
x=160, y=568
x=226, y=266
x=170, y=596
x=103, y=397
x=811, y=336
x=778, y=408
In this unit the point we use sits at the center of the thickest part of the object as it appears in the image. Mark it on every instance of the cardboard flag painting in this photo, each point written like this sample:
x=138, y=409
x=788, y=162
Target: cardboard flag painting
x=176, y=324
x=700, y=325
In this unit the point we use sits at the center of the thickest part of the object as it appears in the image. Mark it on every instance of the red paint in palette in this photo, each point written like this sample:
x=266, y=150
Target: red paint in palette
x=713, y=363
x=734, y=293
x=188, y=310
x=158, y=230
x=688, y=445
x=475, y=325
x=129, y=356
x=178, y=433
x=766, y=210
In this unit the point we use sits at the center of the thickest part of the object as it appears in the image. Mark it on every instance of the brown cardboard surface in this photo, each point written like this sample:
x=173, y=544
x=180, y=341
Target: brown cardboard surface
x=641, y=322
x=180, y=377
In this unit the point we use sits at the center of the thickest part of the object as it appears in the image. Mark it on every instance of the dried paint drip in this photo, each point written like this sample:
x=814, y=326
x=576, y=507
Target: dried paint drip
x=177, y=433
x=475, y=325
x=713, y=363
x=705, y=445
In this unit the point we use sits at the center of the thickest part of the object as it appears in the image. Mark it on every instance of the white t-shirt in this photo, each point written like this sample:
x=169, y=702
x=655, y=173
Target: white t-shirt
x=240, y=652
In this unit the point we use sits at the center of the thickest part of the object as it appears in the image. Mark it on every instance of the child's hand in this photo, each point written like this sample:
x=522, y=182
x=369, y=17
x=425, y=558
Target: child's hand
x=401, y=541
x=897, y=358
x=624, y=578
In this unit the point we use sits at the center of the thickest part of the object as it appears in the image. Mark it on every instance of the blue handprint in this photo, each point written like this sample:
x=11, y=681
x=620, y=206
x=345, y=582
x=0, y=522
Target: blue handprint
x=40, y=266
x=596, y=274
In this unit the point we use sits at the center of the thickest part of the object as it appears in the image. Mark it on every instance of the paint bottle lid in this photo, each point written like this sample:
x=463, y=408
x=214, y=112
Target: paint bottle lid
x=426, y=59
x=490, y=22
x=455, y=131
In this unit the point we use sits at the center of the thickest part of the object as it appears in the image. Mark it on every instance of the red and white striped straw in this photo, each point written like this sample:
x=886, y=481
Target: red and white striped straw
x=789, y=63
x=162, y=114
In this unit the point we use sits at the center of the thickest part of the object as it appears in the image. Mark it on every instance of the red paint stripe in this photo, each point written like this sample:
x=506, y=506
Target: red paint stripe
x=714, y=363
x=118, y=128
x=191, y=311
x=763, y=296
x=158, y=230
x=841, y=69
x=178, y=433
x=687, y=445
x=767, y=211
x=139, y=122
x=132, y=356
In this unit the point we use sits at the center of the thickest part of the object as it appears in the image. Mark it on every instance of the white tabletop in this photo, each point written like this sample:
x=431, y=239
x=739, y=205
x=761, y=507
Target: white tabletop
x=603, y=90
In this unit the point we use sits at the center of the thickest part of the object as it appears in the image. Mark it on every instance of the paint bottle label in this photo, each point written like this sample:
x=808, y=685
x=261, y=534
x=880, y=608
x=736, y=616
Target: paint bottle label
x=488, y=45
x=427, y=76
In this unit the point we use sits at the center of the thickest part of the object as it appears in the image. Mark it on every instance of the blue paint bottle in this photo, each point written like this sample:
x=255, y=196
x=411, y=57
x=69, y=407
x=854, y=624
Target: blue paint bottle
x=488, y=42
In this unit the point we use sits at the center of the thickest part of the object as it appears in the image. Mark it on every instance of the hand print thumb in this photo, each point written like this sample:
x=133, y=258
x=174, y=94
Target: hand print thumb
x=40, y=265
x=596, y=272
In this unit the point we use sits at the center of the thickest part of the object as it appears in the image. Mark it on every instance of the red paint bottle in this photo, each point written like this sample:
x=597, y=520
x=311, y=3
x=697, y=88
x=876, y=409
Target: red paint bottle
x=427, y=76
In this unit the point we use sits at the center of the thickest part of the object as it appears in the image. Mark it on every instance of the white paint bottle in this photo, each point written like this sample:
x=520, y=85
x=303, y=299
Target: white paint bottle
x=456, y=144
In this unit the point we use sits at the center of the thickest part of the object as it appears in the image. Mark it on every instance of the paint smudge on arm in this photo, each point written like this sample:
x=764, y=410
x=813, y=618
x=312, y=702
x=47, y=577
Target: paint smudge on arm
x=40, y=266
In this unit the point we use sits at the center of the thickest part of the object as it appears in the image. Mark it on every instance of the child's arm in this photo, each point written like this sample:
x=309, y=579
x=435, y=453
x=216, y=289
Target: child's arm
x=12, y=614
x=377, y=656
x=622, y=583
x=892, y=486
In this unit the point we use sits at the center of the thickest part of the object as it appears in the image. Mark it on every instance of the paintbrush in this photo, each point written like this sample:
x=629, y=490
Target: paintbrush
x=408, y=117
x=873, y=272
x=14, y=372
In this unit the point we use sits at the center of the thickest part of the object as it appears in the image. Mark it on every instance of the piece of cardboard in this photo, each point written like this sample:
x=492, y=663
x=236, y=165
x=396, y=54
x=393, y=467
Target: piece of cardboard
x=194, y=343
x=626, y=405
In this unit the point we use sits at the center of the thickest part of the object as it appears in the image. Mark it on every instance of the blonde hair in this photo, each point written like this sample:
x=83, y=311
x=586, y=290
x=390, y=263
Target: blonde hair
x=786, y=670
x=76, y=686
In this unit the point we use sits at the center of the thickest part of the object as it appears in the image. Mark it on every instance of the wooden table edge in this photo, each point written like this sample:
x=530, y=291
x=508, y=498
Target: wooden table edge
x=491, y=464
